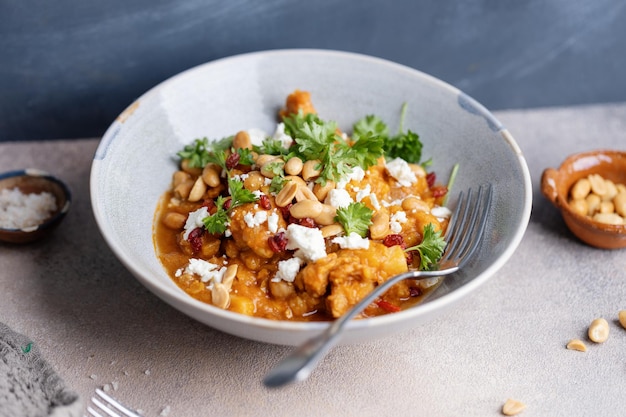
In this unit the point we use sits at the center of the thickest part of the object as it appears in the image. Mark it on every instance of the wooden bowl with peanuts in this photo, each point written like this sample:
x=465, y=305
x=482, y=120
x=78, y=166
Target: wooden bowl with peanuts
x=589, y=189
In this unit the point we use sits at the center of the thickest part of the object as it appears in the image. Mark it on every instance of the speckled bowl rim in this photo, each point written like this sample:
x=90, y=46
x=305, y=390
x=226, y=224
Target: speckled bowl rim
x=52, y=221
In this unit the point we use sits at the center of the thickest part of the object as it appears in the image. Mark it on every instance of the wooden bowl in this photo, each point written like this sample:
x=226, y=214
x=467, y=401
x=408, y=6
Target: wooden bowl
x=556, y=185
x=35, y=181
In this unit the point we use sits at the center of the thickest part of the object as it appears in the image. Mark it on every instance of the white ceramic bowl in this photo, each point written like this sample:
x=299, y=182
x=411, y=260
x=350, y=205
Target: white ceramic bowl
x=135, y=160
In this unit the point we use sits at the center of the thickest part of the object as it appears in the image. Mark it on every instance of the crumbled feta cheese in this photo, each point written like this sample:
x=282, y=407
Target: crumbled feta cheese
x=288, y=269
x=308, y=241
x=285, y=140
x=338, y=198
x=392, y=203
x=361, y=194
x=352, y=241
x=400, y=170
x=194, y=220
x=240, y=177
x=395, y=227
x=374, y=201
x=267, y=181
x=256, y=219
x=357, y=174
x=441, y=212
x=396, y=220
x=206, y=270
x=399, y=216
x=257, y=136
x=272, y=222
x=258, y=193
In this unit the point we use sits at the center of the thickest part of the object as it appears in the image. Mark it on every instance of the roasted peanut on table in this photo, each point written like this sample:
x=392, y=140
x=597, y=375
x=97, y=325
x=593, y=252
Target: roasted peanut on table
x=599, y=330
x=577, y=344
x=512, y=407
x=600, y=199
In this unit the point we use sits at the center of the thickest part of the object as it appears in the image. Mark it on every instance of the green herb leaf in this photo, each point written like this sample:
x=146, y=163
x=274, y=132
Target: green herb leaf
x=356, y=217
x=277, y=184
x=431, y=248
x=271, y=146
x=406, y=146
x=218, y=158
x=318, y=140
x=276, y=168
x=368, y=126
x=239, y=194
x=199, y=151
x=217, y=222
x=245, y=156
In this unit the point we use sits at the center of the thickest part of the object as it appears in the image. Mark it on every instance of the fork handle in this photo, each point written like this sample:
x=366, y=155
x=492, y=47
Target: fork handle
x=301, y=362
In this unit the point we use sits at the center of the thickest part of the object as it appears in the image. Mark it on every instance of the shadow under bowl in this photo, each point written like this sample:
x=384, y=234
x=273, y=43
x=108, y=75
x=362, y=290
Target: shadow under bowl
x=557, y=183
x=33, y=181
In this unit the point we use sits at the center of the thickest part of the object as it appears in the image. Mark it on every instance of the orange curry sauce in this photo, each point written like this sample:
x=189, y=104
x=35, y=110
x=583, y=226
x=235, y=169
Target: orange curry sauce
x=245, y=277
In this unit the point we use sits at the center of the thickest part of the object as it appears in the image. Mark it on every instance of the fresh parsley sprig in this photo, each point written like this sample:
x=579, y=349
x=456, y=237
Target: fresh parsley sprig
x=356, y=217
x=271, y=146
x=200, y=150
x=406, y=145
x=218, y=221
x=431, y=248
x=316, y=139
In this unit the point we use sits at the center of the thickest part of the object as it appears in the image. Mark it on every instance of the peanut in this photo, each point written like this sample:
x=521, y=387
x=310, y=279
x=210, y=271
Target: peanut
x=598, y=330
x=242, y=140
x=294, y=166
x=577, y=344
x=380, y=225
x=622, y=318
x=306, y=208
x=581, y=189
x=512, y=407
x=211, y=175
x=286, y=194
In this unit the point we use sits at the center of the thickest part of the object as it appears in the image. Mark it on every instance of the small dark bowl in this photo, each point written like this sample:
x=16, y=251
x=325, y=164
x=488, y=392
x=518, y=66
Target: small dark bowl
x=556, y=185
x=31, y=181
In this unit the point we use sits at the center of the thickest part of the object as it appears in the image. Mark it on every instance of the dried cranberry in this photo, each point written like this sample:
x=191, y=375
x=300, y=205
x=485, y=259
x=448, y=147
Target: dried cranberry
x=209, y=204
x=409, y=257
x=264, y=202
x=195, y=239
x=278, y=242
x=431, y=177
x=285, y=212
x=415, y=291
x=227, y=203
x=307, y=222
x=393, y=239
x=232, y=160
x=439, y=191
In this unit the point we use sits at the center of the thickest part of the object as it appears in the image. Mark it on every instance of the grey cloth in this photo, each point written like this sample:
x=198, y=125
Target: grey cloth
x=29, y=386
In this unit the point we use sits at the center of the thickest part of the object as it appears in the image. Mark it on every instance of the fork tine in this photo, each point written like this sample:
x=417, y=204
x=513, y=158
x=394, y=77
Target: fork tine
x=110, y=406
x=471, y=221
x=479, y=222
x=454, y=235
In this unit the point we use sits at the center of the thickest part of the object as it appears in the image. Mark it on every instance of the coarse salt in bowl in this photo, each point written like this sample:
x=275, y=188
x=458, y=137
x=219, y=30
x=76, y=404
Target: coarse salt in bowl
x=135, y=160
x=32, y=203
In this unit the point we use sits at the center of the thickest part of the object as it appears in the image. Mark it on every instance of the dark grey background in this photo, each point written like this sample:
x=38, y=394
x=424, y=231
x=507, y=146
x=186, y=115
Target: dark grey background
x=68, y=68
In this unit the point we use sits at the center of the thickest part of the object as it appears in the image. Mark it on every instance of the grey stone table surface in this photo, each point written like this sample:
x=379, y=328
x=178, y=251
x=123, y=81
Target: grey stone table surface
x=99, y=327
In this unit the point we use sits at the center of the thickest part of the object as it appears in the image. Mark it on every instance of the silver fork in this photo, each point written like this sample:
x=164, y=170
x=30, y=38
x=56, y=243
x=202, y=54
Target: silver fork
x=464, y=233
x=102, y=405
